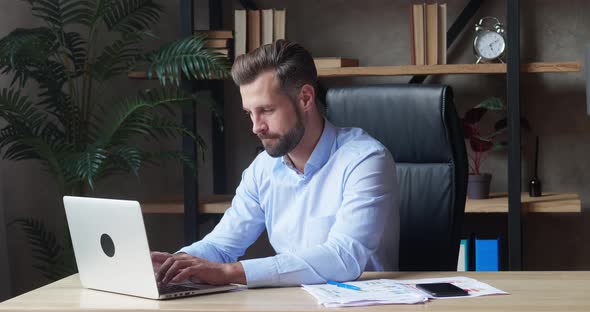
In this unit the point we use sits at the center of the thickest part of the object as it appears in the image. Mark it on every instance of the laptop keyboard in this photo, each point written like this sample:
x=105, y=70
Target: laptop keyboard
x=167, y=289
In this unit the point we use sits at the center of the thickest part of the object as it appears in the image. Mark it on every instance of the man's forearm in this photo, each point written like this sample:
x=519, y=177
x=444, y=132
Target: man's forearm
x=235, y=272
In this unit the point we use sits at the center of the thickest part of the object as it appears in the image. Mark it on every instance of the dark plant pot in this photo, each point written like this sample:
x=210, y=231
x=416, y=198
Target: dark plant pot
x=478, y=186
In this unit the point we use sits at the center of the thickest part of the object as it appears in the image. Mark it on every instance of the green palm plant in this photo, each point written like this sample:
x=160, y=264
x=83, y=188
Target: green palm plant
x=79, y=135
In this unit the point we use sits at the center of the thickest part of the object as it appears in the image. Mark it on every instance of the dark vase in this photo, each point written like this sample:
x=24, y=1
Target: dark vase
x=478, y=186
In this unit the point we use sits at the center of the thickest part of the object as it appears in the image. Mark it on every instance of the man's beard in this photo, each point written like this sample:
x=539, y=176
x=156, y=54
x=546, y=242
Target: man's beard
x=285, y=143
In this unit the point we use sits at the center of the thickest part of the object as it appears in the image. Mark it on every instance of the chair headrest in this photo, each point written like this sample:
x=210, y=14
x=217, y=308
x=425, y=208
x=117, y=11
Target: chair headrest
x=408, y=119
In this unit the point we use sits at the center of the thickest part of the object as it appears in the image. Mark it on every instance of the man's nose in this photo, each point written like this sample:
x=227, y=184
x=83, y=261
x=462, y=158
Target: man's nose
x=258, y=125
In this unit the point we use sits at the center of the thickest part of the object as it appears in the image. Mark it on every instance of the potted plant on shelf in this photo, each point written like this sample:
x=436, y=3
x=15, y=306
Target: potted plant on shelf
x=480, y=143
x=72, y=126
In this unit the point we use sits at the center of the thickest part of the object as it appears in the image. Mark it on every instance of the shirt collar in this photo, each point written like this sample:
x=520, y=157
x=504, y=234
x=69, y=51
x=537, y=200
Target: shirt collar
x=321, y=152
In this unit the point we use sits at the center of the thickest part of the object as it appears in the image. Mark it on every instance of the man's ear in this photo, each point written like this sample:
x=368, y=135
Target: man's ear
x=307, y=97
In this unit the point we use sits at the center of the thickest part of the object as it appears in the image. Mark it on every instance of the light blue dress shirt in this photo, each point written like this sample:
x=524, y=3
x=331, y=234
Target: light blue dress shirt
x=334, y=221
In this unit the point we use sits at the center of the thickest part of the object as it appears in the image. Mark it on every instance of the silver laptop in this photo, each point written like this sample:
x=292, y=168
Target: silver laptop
x=112, y=252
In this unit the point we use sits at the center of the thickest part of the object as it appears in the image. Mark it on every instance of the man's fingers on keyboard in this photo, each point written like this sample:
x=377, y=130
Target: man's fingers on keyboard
x=164, y=269
x=182, y=275
x=175, y=268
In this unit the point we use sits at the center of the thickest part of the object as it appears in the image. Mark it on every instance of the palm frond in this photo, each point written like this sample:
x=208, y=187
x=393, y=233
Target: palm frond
x=28, y=54
x=20, y=112
x=75, y=52
x=162, y=127
x=52, y=77
x=134, y=115
x=45, y=247
x=190, y=57
x=119, y=57
x=30, y=133
x=163, y=156
x=122, y=160
x=84, y=166
x=59, y=13
x=25, y=50
x=53, y=260
x=99, y=9
x=132, y=15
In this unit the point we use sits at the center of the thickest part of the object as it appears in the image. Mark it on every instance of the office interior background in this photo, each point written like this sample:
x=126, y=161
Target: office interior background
x=376, y=32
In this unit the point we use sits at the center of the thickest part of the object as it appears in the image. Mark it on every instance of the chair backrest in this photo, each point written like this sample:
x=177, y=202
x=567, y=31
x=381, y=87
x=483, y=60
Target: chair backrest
x=420, y=127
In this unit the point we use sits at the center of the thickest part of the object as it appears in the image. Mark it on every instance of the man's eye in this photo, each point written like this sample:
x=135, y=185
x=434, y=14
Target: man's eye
x=267, y=110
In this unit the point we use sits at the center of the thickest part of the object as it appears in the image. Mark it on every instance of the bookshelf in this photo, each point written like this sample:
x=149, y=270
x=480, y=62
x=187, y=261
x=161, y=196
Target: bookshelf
x=513, y=203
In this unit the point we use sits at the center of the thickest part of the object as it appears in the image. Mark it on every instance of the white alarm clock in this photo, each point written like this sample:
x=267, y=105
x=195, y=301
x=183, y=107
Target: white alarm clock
x=489, y=44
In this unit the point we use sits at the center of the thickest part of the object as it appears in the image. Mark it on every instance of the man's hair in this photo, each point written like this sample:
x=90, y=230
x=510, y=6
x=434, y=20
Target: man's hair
x=292, y=64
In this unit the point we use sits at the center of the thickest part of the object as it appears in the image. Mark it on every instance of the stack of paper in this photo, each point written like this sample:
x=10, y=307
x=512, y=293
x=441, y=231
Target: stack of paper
x=372, y=292
x=386, y=291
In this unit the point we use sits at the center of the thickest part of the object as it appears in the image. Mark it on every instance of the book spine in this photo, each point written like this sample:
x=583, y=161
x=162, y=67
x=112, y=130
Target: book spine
x=442, y=31
x=463, y=261
x=431, y=21
x=419, y=44
x=253, y=30
x=240, y=30
x=412, y=43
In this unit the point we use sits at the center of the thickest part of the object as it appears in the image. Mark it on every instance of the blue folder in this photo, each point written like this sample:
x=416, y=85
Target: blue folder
x=487, y=254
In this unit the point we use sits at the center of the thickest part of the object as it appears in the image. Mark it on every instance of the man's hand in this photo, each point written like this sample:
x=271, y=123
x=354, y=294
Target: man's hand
x=179, y=267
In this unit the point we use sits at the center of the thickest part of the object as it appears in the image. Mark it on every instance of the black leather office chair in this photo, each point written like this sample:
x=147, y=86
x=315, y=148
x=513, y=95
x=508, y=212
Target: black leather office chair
x=420, y=127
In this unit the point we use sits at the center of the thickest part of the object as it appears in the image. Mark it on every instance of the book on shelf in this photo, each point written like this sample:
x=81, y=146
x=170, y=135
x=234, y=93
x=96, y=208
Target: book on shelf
x=240, y=27
x=216, y=34
x=463, y=260
x=431, y=22
x=217, y=43
x=266, y=26
x=411, y=36
x=225, y=52
x=279, y=20
x=428, y=26
x=418, y=34
x=442, y=33
x=335, y=62
x=253, y=27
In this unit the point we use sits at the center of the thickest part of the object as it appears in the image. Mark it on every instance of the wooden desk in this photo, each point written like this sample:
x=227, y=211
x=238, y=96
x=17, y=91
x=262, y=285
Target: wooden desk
x=530, y=291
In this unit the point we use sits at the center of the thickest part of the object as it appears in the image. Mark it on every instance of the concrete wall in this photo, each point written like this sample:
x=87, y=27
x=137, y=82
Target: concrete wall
x=375, y=32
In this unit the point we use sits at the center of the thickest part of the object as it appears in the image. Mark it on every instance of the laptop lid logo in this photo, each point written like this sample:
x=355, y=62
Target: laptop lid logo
x=108, y=247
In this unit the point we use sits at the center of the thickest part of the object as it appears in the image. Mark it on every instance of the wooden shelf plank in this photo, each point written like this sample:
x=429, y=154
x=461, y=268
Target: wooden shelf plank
x=497, y=203
x=208, y=205
x=410, y=70
x=138, y=74
x=448, y=69
x=548, y=203
x=142, y=75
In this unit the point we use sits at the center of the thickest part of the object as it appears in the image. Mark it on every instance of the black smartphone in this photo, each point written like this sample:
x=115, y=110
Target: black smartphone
x=442, y=290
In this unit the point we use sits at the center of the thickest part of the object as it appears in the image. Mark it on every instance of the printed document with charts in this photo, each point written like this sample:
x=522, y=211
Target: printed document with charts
x=387, y=291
